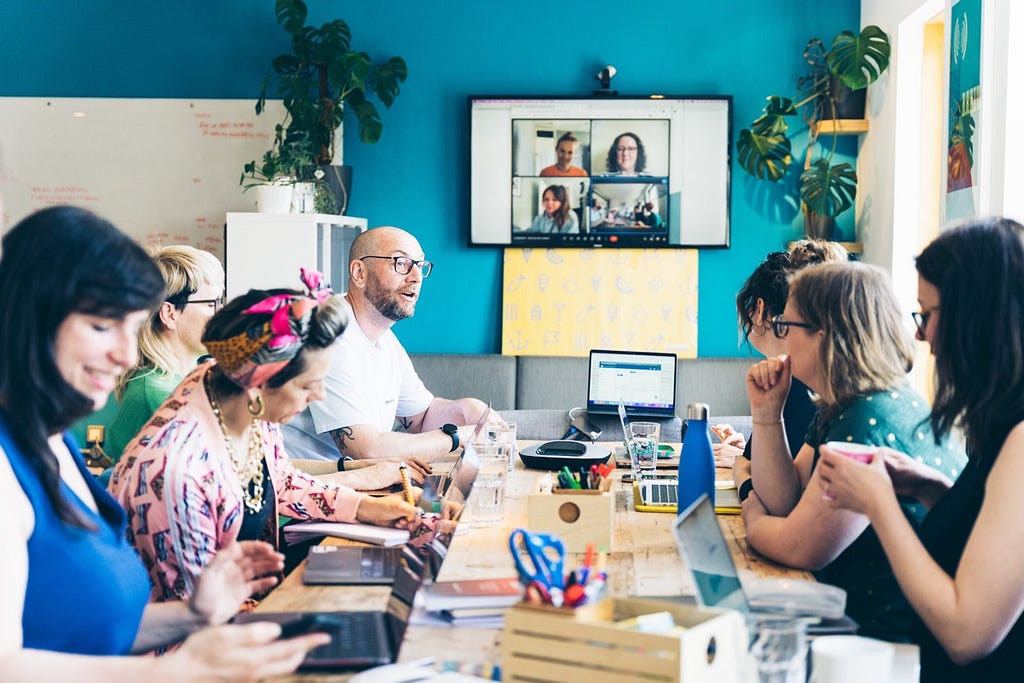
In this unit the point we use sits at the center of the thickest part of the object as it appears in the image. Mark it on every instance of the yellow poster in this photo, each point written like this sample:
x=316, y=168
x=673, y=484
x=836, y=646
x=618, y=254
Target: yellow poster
x=565, y=302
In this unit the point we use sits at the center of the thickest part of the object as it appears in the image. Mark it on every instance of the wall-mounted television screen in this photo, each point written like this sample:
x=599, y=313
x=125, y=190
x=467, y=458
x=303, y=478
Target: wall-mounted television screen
x=600, y=171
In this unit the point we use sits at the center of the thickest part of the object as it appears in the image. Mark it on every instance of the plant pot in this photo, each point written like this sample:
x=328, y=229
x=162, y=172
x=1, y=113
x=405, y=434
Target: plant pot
x=819, y=227
x=850, y=104
x=338, y=181
x=276, y=198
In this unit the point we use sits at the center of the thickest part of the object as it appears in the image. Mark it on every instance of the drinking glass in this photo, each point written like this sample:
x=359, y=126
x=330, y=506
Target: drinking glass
x=505, y=435
x=780, y=652
x=645, y=437
x=487, y=498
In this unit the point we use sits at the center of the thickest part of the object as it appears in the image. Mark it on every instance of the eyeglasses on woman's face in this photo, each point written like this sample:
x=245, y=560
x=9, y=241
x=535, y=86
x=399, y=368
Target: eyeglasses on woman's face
x=403, y=264
x=921, y=321
x=216, y=303
x=781, y=327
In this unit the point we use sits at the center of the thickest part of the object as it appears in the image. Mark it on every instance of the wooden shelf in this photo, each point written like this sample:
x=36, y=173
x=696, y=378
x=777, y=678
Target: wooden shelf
x=843, y=126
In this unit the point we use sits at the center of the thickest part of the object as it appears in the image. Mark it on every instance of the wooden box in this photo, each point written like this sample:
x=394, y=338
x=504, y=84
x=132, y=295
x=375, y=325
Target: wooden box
x=543, y=643
x=576, y=516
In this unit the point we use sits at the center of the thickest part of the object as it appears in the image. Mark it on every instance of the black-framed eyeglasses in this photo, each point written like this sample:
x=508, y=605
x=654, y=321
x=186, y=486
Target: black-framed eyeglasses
x=781, y=327
x=217, y=303
x=404, y=264
x=921, y=320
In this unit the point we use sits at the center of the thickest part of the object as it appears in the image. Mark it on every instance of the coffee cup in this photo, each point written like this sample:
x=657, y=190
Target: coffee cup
x=858, y=451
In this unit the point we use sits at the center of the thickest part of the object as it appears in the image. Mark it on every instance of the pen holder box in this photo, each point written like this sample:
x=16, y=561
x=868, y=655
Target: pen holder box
x=576, y=516
x=543, y=643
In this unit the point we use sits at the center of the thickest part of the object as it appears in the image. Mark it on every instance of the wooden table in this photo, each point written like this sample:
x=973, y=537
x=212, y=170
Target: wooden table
x=645, y=563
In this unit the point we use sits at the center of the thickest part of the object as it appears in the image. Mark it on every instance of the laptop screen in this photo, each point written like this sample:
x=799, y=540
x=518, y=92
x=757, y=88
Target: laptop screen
x=644, y=382
x=702, y=546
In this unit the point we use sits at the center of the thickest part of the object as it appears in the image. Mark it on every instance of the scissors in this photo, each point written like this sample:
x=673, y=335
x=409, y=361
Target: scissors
x=543, y=564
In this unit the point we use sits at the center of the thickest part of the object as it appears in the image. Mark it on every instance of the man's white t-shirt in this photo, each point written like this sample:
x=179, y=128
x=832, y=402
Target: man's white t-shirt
x=368, y=383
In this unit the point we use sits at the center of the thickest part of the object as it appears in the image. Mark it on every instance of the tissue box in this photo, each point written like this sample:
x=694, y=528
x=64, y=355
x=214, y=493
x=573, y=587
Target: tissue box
x=578, y=517
x=543, y=643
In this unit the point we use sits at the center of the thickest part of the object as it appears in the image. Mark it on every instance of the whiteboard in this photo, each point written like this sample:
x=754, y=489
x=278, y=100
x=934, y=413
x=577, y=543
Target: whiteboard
x=163, y=170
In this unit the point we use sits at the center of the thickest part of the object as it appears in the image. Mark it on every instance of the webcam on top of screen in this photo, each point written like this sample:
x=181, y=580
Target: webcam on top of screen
x=605, y=76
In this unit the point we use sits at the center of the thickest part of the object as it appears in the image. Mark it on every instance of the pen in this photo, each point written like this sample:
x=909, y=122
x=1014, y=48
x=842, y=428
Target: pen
x=403, y=471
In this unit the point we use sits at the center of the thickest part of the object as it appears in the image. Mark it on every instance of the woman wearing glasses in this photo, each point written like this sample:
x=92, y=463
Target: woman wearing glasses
x=963, y=570
x=762, y=297
x=170, y=341
x=210, y=467
x=626, y=156
x=845, y=341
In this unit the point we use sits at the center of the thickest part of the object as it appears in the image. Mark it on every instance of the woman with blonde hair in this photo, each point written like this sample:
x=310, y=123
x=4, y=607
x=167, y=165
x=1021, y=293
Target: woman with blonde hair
x=170, y=341
x=845, y=340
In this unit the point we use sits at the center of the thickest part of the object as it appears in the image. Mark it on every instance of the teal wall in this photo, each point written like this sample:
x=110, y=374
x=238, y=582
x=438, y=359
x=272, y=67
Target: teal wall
x=417, y=176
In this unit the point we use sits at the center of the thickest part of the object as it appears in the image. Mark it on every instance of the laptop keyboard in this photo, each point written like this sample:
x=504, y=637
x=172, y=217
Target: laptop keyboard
x=662, y=494
x=357, y=636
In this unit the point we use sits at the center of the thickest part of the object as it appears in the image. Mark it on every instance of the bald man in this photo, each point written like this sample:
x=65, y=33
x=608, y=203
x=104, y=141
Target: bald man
x=372, y=381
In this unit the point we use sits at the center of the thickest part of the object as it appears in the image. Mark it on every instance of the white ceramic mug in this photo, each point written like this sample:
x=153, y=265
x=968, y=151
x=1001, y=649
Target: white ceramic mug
x=850, y=659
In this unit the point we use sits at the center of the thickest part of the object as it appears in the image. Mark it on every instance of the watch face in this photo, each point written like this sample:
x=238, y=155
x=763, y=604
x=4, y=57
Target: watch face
x=449, y=429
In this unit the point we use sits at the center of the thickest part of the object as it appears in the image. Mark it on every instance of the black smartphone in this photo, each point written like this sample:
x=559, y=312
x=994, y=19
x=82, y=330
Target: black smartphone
x=309, y=623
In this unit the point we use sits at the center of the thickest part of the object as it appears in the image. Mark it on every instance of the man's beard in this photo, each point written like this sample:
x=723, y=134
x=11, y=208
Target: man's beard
x=387, y=302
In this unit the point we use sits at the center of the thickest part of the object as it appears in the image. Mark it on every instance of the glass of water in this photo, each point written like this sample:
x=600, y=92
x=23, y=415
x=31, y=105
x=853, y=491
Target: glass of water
x=487, y=499
x=780, y=651
x=645, y=437
x=505, y=435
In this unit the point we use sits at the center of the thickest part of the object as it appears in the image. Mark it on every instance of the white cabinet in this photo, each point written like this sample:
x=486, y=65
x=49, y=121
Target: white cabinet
x=266, y=250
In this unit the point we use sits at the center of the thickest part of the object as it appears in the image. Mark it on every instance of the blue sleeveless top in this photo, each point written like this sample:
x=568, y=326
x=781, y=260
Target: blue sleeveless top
x=86, y=590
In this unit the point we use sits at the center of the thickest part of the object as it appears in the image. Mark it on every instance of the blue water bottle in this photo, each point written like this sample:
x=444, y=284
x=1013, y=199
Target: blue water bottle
x=697, y=461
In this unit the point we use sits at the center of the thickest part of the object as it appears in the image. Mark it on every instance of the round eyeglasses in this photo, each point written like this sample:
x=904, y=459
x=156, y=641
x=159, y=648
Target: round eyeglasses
x=403, y=264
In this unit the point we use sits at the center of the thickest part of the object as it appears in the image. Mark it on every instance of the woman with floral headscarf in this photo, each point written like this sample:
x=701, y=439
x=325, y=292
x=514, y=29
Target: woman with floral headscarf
x=210, y=467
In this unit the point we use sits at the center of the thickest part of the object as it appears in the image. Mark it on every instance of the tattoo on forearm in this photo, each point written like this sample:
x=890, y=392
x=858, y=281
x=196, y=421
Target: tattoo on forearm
x=405, y=422
x=342, y=436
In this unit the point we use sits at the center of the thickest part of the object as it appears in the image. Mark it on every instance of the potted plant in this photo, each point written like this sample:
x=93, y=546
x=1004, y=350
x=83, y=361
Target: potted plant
x=766, y=151
x=275, y=174
x=320, y=80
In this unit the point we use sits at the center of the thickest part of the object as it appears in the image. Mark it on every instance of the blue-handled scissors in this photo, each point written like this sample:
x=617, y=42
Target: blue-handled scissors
x=544, y=562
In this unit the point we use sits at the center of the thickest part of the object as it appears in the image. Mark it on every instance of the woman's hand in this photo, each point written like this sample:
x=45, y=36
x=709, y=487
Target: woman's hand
x=768, y=383
x=851, y=484
x=249, y=652
x=732, y=445
x=236, y=572
x=388, y=510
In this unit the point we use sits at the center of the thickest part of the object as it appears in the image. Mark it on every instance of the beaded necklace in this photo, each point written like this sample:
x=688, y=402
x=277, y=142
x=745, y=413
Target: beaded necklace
x=249, y=471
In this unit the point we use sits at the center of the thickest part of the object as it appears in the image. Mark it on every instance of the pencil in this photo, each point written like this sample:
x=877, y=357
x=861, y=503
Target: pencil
x=406, y=486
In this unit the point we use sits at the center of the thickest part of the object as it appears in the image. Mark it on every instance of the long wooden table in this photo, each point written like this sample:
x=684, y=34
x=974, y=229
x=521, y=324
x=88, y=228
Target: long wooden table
x=645, y=562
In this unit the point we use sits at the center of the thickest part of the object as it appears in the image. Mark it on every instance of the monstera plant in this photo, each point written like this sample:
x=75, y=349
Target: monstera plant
x=835, y=75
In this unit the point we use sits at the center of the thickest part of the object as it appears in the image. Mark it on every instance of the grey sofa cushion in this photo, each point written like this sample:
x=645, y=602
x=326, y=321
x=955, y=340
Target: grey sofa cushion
x=488, y=377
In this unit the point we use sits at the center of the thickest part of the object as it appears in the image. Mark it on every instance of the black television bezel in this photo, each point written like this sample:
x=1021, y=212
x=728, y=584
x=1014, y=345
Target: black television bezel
x=567, y=241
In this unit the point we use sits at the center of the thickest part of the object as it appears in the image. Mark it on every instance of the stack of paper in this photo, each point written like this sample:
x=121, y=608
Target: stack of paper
x=367, y=533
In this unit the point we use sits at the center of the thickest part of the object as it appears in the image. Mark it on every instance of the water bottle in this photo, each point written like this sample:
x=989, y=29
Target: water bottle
x=697, y=461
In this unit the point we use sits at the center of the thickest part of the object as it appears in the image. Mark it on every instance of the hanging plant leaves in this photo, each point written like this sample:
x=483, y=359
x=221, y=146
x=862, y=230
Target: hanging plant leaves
x=859, y=60
x=764, y=150
x=828, y=190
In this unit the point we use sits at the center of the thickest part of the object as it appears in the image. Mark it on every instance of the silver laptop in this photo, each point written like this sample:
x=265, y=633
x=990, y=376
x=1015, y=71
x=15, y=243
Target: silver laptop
x=706, y=555
x=438, y=482
x=644, y=382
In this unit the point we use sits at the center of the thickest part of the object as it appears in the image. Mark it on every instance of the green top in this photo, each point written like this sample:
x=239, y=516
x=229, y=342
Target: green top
x=145, y=391
x=898, y=419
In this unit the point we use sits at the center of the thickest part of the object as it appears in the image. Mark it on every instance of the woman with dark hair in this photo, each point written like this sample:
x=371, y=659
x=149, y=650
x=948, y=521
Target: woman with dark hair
x=626, y=156
x=963, y=570
x=845, y=340
x=557, y=216
x=762, y=297
x=73, y=293
x=210, y=466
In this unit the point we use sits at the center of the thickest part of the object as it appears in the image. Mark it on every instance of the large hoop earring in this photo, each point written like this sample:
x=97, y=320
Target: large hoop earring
x=255, y=406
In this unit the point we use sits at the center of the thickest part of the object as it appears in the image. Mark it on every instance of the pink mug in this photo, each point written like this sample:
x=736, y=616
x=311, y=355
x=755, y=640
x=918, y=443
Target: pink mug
x=858, y=451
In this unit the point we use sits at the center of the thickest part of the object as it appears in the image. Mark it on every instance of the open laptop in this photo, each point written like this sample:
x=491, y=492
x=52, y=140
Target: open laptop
x=704, y=551
x=359, y=565
x=359, y=640
x=644, y=382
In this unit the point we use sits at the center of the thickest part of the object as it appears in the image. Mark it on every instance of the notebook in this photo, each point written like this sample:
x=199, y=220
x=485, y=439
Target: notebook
x=704, y=551
x=350, y=565
x=359, y=640
x=644, y=382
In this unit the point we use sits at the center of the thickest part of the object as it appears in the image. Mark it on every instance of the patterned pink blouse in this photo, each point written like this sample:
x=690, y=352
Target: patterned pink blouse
x=184, y=499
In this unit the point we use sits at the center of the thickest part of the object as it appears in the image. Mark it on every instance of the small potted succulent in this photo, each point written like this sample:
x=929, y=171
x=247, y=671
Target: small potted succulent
x=765, y=149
